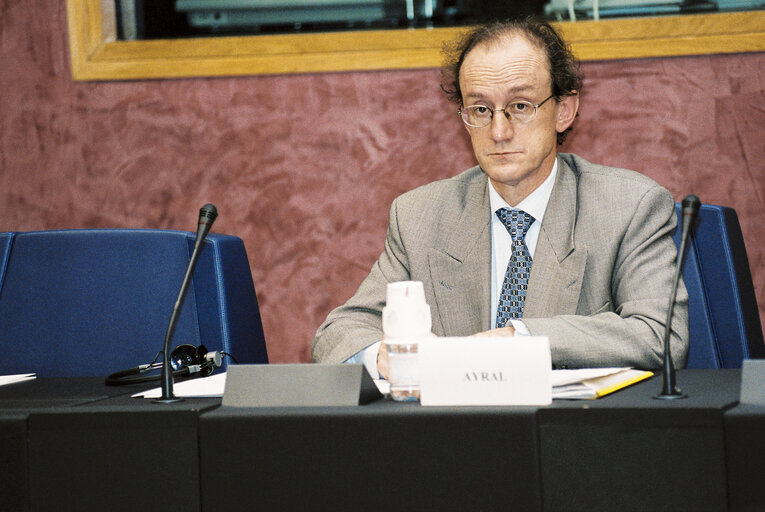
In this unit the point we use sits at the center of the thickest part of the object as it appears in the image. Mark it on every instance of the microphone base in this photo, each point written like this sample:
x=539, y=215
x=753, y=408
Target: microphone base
x=674, y=395
x=170, y=400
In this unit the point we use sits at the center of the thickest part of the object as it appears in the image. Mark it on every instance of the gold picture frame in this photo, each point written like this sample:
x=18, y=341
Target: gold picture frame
x=96, y=54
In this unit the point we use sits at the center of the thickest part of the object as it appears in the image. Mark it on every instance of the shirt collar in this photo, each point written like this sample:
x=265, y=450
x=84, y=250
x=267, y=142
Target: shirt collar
x=534, y=204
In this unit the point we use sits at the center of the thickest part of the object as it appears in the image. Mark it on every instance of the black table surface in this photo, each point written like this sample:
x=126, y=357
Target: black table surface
x=77, y=438
x=78, y=444
x=630, y=451
x=571, y=455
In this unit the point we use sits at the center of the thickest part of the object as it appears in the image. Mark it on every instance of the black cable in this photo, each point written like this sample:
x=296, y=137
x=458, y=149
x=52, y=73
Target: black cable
x=137, y=375
x=229, y=355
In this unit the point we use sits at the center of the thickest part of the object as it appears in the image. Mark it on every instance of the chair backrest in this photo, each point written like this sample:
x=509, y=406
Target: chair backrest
x=96, y=301
x=723, y=316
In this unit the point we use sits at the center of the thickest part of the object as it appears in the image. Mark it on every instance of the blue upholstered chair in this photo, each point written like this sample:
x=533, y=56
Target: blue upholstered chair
x=724, y=320
x=94, y=302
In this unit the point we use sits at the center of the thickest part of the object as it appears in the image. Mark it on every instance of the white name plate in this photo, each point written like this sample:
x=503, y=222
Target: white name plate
x=486, y=371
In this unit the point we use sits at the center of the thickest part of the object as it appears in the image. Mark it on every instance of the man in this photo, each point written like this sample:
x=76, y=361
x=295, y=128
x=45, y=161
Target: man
x=530, y=241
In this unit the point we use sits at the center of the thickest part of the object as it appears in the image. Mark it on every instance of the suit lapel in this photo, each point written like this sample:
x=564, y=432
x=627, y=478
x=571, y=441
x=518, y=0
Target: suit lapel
x=461, y=270
x=558, y=268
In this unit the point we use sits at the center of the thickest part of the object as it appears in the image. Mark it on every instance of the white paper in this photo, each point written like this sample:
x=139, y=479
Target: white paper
x=565, y=377
x=595, y=381
x=485, y=371
x=204, y=387
x=21, y=377
x=383, y=386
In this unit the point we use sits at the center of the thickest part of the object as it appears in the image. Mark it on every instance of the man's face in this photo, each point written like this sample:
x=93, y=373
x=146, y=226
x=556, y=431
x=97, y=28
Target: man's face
x=517, y=157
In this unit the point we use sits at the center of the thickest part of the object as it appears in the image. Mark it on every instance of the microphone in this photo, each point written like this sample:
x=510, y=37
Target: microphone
x=207, y=215
x=669, y=390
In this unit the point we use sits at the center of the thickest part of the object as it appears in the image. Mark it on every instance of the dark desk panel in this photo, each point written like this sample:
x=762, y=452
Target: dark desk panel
x=17, y=402
x=745, y=456
x=383, y=456
x=628, y=451
x=13, y=459
x=80, y=445
x=114, y=460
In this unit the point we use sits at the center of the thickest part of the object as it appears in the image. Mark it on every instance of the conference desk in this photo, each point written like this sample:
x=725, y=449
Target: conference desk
x=75, y=444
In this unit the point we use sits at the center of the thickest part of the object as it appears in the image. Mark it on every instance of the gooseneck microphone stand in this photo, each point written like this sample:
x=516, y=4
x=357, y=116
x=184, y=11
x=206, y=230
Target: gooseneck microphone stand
x=669, y=390
x=207, y=215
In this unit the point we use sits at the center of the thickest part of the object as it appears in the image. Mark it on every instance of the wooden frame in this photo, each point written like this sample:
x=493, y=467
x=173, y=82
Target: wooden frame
x=97, y=55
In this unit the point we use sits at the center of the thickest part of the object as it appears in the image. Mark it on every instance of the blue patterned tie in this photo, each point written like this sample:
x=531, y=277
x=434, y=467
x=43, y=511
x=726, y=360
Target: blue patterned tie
x=513, y=295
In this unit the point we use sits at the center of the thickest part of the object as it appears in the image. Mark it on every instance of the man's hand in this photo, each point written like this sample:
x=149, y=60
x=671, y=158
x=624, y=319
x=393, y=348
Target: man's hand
x=383, y=366
x=382, y=361
x=502, y=331
x=382, y=354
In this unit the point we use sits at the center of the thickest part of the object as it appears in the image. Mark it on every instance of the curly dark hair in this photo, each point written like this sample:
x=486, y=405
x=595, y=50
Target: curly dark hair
x=566, y=76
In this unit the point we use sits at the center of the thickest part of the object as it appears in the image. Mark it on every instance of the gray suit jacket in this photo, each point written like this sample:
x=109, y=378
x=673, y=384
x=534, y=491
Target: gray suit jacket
x=600, y=280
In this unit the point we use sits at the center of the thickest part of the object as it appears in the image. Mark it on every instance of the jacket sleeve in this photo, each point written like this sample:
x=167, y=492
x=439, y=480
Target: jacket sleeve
x=358, y=323
x=628, y=328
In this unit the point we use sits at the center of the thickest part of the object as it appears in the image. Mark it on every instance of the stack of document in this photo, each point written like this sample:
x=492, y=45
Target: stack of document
x=591, y=383
x=583, y=384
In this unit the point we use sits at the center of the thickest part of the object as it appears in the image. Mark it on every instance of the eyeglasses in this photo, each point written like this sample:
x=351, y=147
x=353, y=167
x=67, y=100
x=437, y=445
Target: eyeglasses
x=520, y=112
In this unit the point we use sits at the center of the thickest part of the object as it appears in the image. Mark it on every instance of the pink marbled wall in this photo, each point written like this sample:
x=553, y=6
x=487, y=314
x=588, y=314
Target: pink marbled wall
x=303, y=167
